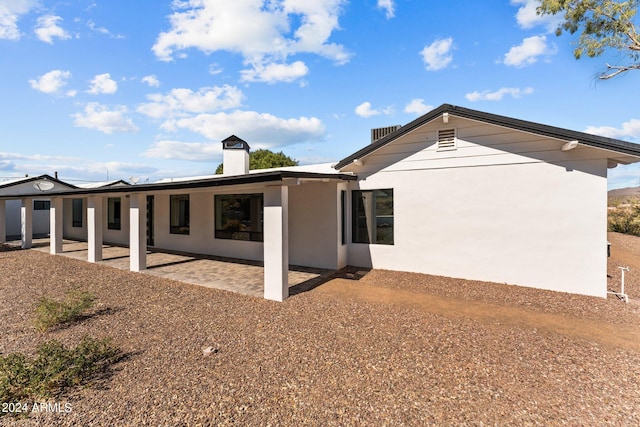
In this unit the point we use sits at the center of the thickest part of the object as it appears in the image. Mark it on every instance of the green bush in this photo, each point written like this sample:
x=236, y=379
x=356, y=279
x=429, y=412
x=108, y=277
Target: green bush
x=50, y=312
x=54, y=368
x=625, y=220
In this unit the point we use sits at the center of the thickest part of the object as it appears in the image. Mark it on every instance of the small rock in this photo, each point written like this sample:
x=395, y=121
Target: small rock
x=210, y=350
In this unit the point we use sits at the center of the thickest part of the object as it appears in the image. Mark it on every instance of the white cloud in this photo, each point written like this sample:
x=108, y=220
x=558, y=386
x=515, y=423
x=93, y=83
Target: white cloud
x=528, y=52
x=259, y=130
x=365, y=110
x=10, y=12
x=630, y=129
x=52, y=82
x=272, y=73
x=102, y=30
x=528, y=18
x=103, y=84
x=262, y=31
x=151, y=80
x=193, y=151
x=388, y=6
x=47, y=28
x=437, y=55
x=99, y=117
x=498, y=94
x=181, y=102
x=417, y=106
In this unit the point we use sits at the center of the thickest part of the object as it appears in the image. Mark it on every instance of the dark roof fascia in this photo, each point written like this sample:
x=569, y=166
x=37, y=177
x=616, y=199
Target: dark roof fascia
x=254, y=178
x=35, y=178
x=601, y=142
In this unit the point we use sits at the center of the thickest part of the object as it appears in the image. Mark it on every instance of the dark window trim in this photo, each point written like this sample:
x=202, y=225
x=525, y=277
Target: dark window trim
x=77, y=208
x=116, y=224
x=184, y=221
x=343, y=217
x=239, y=235
x=359, y=213
x=41, y=205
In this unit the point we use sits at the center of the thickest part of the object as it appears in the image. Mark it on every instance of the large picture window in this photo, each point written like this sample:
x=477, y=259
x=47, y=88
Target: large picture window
x=239, y=217
x=373, y=217
x=113, y=213
x=179, y=215
x=76, y=212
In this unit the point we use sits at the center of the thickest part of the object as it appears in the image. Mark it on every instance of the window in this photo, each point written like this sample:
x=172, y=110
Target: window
x=179, y=215
x=373, y=217
x=113, y=213
x=76, y=212
x=41, y=205
x=343, y=217
x=239, y=217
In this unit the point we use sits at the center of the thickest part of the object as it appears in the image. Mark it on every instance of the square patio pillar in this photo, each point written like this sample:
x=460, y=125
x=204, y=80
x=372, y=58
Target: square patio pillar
x=276, y=243
x=137, y=232
x=3, y=221
x=94, y=228
x=55, y=225
x=26, y=223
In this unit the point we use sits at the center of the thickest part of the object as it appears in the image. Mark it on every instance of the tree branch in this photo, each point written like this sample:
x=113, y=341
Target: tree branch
x=619, y=69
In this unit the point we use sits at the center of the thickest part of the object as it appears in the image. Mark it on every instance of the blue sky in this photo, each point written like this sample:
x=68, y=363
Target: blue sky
x=113, y=89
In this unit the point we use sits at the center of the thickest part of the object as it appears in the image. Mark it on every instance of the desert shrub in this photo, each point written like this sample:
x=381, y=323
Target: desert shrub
x=53, y=369
x=625, y=220
x=50, y=312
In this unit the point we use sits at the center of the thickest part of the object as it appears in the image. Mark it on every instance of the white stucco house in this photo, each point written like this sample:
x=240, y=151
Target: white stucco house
x=38, y=188
x=457, y=192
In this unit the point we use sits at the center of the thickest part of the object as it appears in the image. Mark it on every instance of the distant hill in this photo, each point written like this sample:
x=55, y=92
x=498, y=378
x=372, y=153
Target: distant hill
x=624, y=195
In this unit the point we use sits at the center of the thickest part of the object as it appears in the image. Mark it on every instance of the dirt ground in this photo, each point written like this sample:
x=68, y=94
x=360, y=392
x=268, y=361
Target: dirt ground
x=394, y=349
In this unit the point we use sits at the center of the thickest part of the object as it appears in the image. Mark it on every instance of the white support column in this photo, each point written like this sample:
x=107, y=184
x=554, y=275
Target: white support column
x=276, y=243
x=55, y=225
x=3, y=221
x=138, y=232
x=94, y=228
x=26, y=223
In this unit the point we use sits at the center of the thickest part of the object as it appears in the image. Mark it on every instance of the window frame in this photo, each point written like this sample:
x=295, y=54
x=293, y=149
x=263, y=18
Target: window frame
x=180, y=221
x=367, y=211
x=114, y=214
x=41, y=205
x=77, y=209
x=248, y=235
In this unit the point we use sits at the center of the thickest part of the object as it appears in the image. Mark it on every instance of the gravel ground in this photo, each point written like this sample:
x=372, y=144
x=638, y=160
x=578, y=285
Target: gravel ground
x=336, y=357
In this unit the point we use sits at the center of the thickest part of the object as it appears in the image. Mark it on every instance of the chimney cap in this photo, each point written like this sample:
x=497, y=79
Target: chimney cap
x=234, y=143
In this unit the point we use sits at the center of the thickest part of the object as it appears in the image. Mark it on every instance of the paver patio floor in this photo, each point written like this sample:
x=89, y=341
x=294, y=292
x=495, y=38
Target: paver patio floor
x=235, y=275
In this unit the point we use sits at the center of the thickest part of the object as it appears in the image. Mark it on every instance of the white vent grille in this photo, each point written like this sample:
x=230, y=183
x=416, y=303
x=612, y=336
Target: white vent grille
x=447, y=139
x=380, y=133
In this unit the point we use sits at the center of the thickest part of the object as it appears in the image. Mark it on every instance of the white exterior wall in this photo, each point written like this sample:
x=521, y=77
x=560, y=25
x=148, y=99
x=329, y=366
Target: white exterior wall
x=202, y=229
x=504, y=206
x=314, y=227
x=119, y=237
x=68, y=230
x=40, y=218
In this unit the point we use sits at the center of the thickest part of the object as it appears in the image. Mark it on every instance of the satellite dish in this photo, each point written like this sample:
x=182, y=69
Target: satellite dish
x=43, y=185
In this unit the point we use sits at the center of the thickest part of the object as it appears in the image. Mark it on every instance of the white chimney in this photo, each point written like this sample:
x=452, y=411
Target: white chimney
x=235, y=156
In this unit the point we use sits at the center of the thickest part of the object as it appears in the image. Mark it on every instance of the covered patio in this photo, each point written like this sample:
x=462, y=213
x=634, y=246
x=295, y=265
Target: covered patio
x=198, y=248
x=230, y=274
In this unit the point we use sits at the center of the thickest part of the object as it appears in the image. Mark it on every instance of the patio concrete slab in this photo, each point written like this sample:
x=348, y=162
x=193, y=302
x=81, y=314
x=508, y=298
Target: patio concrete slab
x=235, y=275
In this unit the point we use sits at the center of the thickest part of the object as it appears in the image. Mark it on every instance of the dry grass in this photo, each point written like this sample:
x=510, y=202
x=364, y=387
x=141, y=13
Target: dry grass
x=329, y=358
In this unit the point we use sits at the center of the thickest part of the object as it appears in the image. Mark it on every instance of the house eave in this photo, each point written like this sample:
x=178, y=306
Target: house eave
x=221, y=181
x=448, y=110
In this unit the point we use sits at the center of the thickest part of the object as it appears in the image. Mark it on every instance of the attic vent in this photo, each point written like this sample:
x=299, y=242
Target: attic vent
x=447, y=139
x=379, y=133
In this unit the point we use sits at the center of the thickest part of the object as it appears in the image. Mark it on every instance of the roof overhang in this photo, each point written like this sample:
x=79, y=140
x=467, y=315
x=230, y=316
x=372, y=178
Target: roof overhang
x=266, y=178
x=622, y=151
